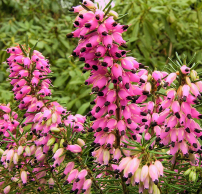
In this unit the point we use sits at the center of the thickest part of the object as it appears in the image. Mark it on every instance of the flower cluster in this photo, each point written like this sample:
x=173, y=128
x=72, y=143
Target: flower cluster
x=8, y=121
x=146, y=176
x=42, y=130
x=177, y=114
x=112, y=74
x=29, y=76
x=123, y=110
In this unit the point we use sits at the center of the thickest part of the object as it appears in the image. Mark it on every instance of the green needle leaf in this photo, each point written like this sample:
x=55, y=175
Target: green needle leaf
x=122, y=17
x=108, y=10
x=192, y=59
x=108, y=4
x=12, y=136
x=26, y=42
x=178, y=58
x=23, y=50
x=32, y=50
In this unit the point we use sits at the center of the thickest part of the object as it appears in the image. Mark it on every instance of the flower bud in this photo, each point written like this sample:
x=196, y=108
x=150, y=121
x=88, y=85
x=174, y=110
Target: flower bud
x=55, y=129
x=61, y=143
x=72, y=175
x=28, y=151
x=58, y=153
x=179, y=92
x=80, y=142
x=106, y=157
x=194, y=176
x=15, y=179
x=55, y=147
x=153, y=173
x=51, y=141
x=185, y=70
x=24, y=177
x=87, y=184
x=1, y=151
x=20, y=150
x=54, y=118
x=74, y=148
x=7, y=189
x=15, y=158
x=51, y=183
x=82, y=174
x=159, y=166
x=193, y=75
x=144, y=172
x=49, y=122
x=89, y=4
x=188, y=81
x=149, y=77
x=114, y=14
x=190, y=175
x=68, y=168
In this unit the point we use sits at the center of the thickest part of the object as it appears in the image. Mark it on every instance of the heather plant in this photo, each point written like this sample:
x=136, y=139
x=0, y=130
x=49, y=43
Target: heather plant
x=142, y=134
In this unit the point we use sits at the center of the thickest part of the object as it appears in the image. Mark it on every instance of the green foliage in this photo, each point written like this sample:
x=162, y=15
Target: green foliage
x=158, y=29
x=47, y=22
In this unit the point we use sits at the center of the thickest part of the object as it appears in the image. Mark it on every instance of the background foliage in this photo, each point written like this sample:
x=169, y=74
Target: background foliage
x=157, y=30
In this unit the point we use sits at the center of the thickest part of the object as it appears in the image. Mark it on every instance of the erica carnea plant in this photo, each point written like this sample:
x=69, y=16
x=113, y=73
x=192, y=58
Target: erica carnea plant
x=142, y=135
x=132, y=119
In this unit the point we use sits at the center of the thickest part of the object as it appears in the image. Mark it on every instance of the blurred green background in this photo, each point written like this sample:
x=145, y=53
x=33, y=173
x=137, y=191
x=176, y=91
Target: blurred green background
x=158, y=29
